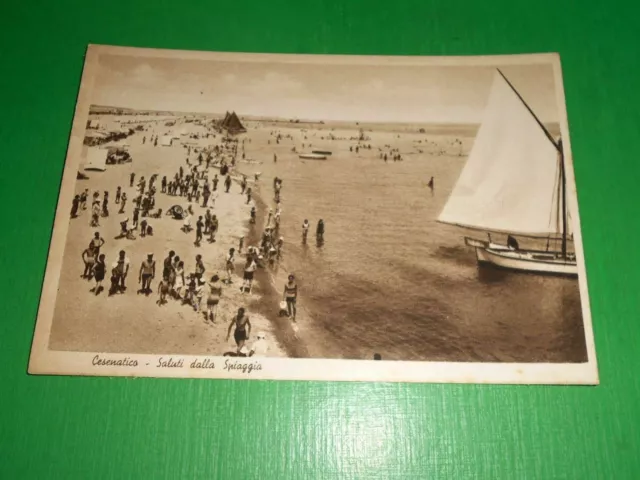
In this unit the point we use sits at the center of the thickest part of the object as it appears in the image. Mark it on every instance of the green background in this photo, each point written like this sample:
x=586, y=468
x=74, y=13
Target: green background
x=145, y=428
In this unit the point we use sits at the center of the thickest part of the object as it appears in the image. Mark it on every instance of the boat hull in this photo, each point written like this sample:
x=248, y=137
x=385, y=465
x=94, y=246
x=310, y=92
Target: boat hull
x=312, y=157
x=523, y=260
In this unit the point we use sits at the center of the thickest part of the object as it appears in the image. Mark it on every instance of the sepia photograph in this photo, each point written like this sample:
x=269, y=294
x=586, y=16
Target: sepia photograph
x=317, y=217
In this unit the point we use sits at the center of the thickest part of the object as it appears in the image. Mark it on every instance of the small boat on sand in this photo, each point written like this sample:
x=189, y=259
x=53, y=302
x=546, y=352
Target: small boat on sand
x=312, y=156
x=321, y=152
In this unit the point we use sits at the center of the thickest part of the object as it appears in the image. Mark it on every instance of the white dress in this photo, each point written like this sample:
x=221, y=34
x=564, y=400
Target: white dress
x=179, y=284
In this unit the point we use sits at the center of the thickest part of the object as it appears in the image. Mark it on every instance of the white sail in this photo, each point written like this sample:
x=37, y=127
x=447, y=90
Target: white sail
x=510, y=182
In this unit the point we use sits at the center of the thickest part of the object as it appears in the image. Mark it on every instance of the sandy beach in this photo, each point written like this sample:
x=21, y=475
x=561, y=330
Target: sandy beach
x=133, y=322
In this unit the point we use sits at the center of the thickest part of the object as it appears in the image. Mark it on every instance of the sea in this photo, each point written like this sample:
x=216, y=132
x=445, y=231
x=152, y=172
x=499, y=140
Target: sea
x=389, y=279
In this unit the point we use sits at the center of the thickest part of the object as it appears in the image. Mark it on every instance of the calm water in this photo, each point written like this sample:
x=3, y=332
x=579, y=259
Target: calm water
x=390, y=279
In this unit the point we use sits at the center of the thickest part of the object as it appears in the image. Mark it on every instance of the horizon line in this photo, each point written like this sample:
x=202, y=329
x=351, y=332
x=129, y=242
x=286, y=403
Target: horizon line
x=300, y=119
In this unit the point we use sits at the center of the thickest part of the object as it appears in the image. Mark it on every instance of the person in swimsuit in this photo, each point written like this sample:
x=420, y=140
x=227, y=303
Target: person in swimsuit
x=168, y=265
x=96, y=243
x=83, y=198
x=320, y=229
x=147, y=273
x=95, y=213
x=229, y=266
x=178, y=279
x=123, y=203
x=89, y=256
x=305, y=230
x=199, y=229
x=249, y=269
x=75, y=206
x=105, y=205
x=121, y=269
x=242, y=328
x=118, y=194
x=99, y=270
x=213, y=298
x=199, y=267
x=290, y=295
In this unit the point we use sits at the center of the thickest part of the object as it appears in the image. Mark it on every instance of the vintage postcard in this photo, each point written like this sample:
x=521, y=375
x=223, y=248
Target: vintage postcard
x=315, y=217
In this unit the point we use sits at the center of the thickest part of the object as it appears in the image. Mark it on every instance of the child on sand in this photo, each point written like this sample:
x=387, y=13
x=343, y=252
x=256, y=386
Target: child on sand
x=190, y=295
x=163, y=289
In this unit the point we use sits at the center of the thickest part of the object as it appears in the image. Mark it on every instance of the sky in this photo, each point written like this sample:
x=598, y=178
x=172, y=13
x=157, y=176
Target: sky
x=406, y=94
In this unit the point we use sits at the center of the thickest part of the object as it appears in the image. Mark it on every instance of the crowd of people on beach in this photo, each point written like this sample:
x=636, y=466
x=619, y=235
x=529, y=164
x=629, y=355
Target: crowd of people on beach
x=189, y=284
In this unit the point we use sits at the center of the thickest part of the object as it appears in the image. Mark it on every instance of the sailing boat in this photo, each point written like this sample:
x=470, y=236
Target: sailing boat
x=514, y=183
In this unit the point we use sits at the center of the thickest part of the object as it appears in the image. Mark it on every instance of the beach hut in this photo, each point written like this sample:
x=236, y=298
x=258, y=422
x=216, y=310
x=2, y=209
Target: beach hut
x=93, y=124
x=166, y=141
x=96, y=159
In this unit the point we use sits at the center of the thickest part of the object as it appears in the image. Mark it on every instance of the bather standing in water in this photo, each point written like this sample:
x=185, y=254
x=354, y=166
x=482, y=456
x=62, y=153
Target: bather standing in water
x=320, y=230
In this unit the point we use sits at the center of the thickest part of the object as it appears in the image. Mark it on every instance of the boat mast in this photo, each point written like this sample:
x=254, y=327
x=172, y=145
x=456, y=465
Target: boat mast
x=563, y=186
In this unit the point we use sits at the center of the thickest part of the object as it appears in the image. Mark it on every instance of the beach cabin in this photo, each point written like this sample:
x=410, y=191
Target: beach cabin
x=93, y=124
x=166, y=141
x=96, y=159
